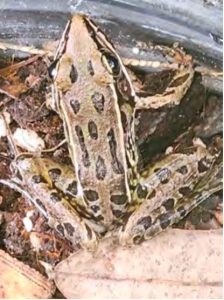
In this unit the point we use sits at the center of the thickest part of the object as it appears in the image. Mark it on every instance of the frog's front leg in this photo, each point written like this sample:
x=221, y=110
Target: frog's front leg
x=169, y=193
x=173, y=93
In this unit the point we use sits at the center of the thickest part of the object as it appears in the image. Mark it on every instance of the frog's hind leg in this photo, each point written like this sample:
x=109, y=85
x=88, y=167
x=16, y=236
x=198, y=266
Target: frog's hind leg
x=146, y=222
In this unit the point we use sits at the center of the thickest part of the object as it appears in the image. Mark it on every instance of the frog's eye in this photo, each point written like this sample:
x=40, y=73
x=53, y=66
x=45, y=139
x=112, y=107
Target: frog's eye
x=113, y=63
x=52, y=69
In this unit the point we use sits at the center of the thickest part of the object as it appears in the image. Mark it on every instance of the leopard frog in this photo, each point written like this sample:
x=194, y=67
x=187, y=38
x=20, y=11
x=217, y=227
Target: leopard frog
x=92, y=102
x=105, y=192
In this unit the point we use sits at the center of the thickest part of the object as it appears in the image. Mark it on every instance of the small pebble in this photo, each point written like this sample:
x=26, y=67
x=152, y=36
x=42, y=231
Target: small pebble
x=35, y=241
x=27, y=224
x=28, y=140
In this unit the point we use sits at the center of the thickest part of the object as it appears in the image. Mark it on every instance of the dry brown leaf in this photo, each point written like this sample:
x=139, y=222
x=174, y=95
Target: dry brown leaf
x=31, y=80
x=7, y=71
x=10, y=83
x=19, y=281
x=175, y=264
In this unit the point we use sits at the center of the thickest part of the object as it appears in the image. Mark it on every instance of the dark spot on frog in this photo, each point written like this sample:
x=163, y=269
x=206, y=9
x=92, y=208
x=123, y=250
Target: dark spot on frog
x=117, y=167
x=185, y=190
x=93, y=130
x=80, y=135
x=73, y=74
x=119, y=199
x=124, y=121
x=146, y=222
x=85, y=154
x=90, y=68
x=203, y=166
x=169, y=203
x=116, y=164
x=85, y=159
x=98, y=102
x=164, y=181
x=40, y=204
x=164, y=219
x=100, y=168
x=182, y=211
x=91, y=195
x=151, y=195
x=99, y=218
x=112, y=142
x=95, y=208
x=142, y=191
x=75, y=105
x=18, y=175
x=55, y=197
x=54, y=174
x=183, y=170
x=117, y=213
x=60, y=229
x=38, y=179
x=72, y=188
x=69, y=228
x=163, y=175
x=89, y=232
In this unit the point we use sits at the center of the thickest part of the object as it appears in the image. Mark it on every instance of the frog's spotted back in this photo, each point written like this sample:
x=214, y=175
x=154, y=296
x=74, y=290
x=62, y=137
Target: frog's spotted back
x=90, y=111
